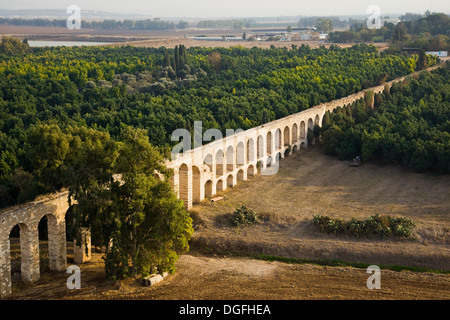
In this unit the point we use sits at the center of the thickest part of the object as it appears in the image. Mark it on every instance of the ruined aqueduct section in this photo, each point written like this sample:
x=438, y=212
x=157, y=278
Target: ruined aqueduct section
x=198, y=174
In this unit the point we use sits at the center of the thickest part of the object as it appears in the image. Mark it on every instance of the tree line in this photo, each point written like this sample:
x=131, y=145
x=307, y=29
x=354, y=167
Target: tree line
x=430, y=32
x=409, y=125
x=160, y=90
x=107, y=24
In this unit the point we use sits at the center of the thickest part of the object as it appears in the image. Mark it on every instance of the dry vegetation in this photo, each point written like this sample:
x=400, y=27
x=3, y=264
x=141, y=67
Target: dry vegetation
x=150, y=38
x=307, y=183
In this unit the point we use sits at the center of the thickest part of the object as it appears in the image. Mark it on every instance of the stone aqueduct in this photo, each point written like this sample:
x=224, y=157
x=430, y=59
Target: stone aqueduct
x=198, y=174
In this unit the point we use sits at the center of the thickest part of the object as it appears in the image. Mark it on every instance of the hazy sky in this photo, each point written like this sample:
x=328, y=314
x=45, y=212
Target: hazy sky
x=235, y=8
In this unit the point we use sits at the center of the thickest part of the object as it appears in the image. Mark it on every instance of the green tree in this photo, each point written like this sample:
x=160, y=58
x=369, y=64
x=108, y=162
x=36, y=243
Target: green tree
x=139, y=218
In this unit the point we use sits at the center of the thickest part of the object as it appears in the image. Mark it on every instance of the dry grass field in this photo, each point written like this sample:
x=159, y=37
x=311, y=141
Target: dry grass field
x=307, y=183
x=311, y=183
x=151, y=38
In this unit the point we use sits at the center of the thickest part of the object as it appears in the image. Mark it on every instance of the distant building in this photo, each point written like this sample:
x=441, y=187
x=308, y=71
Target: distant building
x=217, y=38
x=437, y=53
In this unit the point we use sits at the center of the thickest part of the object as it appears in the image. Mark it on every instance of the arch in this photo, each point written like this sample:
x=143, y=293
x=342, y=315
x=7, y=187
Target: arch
x=269, y=143
x=240, y=175
x=259, y=165
x=208, y=189
x=302, y=145
x=29, y=252
x=196, y=176
x=286, y=136
x=240, y=154
x=230, y=159
x=302, y=130
x=278, y=142
x=230, y=181
x=294, y=149
x=219, y=163
x=250, y=171
x=219, y=185
x=250, y=150
x=269, y=162
x=294, y=133
x=260, y=147
x=278, y=157
x=48, y=231
x=310, y=124
x=209, y=162
x=317, y=120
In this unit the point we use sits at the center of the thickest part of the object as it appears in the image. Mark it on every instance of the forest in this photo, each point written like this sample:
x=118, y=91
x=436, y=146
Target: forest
x=54, y=100
x=429, y=32
x=409, y=125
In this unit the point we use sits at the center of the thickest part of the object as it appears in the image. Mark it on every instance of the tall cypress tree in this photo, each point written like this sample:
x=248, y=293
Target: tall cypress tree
x=166, y=62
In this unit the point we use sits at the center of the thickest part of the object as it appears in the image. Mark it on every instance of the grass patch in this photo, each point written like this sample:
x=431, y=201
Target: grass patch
x=382, y=226
x=340, y=263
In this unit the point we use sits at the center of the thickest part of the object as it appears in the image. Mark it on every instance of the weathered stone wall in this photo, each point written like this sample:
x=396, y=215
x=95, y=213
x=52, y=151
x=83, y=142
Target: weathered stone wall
x=28, y=217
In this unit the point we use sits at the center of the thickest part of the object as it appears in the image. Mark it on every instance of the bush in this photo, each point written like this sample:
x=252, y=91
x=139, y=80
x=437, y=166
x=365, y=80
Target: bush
x=382, y=226
x=243, y=216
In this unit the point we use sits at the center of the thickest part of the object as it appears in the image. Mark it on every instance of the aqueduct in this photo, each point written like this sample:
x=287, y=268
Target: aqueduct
x=198, y=174
x=202, y=172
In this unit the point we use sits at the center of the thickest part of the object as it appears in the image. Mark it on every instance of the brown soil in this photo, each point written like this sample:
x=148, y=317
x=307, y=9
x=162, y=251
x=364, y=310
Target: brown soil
x=215, y=278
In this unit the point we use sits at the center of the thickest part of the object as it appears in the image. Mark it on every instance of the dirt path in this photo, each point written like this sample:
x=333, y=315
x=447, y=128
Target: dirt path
x=221, y=278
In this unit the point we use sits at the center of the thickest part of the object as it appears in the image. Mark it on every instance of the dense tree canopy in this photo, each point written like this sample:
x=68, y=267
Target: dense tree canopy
x=410, y=125
x=51, y=92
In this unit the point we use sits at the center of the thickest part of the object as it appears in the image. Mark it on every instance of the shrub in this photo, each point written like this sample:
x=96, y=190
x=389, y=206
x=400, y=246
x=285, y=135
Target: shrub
x=243, y=216
x=382, y=226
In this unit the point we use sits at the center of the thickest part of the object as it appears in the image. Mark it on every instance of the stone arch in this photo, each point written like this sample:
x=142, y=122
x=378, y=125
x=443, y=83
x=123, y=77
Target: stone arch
x=240, y=175
x=269, y=143
x=278, y=141
x=294, y=133
x=269, y=162
x=294, y=149
x=278, y=157
x=230, y=159
x=310, y=124
x=209, y=162
x=286, y=136
x=219, y=185
x=250, y=171
x=302, y=130
x=240, y=154
x=208, y=189
x=259, y=165
x=302, y=145
x=260, y=147
x=230, y=181
x=219, y=163
x=317, y=120
x=53, y=237
x=196, y=177
x=250, y=150
x=29, y=252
